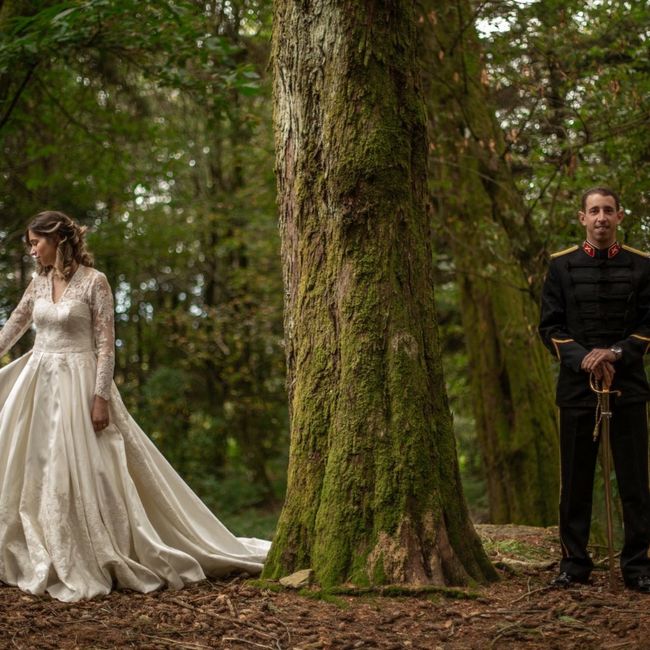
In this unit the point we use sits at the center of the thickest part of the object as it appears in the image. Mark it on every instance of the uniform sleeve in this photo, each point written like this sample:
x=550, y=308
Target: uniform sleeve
x=19, y=321
x=637, y=344
x=104, y=333
x=553, y=325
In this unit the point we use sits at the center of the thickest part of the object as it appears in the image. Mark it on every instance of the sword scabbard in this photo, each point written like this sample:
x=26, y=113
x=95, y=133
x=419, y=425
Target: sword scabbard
x=603, y=416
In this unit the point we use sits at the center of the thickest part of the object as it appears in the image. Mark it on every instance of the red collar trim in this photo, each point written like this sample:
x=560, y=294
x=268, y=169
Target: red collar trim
x=612, y=251
x=588, y=248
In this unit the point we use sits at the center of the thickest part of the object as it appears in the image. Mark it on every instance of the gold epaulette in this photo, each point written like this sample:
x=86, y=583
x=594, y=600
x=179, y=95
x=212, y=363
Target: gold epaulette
x=565, y=251
x=635, y=250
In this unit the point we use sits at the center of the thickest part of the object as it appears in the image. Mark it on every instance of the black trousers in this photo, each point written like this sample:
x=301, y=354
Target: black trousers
x=578, y=454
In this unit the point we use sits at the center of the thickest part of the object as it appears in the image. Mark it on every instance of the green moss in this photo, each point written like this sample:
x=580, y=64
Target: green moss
x=515, y=549
x=325, y=596
x=379, y=576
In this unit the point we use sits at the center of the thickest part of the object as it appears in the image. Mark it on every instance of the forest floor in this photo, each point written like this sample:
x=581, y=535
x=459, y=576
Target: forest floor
x=518, y=611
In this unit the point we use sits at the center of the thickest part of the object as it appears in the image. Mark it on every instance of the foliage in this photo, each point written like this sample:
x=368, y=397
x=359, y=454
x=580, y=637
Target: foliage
x=572, y=85
x=150, y=123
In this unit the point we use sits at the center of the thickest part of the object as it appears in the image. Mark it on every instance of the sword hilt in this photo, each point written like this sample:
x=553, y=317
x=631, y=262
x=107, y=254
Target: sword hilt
x=600, y=389
x=603, y=411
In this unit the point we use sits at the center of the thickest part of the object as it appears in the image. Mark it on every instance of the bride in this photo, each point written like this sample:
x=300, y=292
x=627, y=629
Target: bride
x=87, y=502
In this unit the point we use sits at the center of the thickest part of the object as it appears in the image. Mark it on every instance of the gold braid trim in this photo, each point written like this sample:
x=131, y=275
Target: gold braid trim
x=565, y=251
x=635, y=250
x=645, y=339
x=558, y=342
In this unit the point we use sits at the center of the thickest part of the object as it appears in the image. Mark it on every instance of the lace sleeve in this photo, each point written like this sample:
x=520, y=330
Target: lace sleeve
x=19, y=321
x=104, y=331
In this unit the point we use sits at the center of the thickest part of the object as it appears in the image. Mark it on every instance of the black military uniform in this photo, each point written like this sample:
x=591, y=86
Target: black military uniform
x=595, y=298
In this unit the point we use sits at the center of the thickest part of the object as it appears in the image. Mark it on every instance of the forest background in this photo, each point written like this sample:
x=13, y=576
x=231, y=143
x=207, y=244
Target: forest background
x=152, y=124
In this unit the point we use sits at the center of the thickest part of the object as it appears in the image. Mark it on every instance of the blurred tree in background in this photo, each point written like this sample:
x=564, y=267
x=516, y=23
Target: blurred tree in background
x=151, y=123
x=485, y=228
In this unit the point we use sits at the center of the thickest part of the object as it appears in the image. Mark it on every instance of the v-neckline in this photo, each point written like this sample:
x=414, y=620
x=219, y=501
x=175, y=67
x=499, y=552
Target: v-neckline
x=65, y=289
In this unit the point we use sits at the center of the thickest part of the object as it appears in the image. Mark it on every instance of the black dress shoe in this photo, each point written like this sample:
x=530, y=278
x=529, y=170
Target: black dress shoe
x=642, y=584
x=567, y=580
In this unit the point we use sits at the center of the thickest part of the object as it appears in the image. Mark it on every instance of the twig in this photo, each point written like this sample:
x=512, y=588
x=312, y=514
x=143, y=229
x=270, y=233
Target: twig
x=286, y=627
x=238, y=640
x=19, y=92
x=556, y=171
x=399, y=590
x=505, y=630
x=574, y=623
x=625, y=611
x=222, y=584
x=221, y=617
x=184, y=644
x=180, y=603
x=528, y=593
x=200, y=598
x=605, y=560
x=525, y=564
x=231, y=607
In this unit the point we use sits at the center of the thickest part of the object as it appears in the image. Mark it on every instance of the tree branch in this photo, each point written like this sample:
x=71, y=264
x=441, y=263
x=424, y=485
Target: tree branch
x=16, y=97
x=69, y=117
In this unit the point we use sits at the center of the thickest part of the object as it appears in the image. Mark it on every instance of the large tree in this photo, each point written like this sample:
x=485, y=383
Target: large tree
x=496, y=253
x=374, y=493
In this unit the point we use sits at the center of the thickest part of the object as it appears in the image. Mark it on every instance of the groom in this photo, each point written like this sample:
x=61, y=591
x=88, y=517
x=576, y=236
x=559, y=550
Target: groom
x=596, y=319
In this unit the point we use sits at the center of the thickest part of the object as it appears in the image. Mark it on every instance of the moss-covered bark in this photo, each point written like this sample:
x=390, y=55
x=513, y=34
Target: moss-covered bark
x=493, y=247
x=374, y=494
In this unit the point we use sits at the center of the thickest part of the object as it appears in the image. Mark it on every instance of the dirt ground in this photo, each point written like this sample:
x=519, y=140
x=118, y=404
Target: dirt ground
x=519, y=611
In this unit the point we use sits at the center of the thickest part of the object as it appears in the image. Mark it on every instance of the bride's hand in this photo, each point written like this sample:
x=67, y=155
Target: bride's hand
x=99, y=413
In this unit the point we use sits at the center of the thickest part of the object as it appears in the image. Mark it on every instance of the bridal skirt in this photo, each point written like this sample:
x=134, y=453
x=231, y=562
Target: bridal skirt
x=82, y=512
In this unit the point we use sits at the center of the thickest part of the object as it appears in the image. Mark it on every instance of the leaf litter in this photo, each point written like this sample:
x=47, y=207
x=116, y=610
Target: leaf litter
x=518, y=611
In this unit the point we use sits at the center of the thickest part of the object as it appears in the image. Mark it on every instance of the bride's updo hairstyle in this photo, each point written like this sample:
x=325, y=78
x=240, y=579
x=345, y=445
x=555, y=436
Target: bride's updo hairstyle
x=69, y=238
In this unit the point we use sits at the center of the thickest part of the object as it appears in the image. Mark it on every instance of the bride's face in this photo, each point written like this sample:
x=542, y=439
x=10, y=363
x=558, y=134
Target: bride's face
x=42, y=249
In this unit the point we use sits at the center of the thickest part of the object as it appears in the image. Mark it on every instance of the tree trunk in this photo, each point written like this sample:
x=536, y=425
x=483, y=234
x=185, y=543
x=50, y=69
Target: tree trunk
x=374, y=493
x=492, y=244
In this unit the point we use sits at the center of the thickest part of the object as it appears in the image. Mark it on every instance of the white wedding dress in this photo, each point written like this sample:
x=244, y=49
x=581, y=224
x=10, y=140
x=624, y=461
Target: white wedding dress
x=84, y=512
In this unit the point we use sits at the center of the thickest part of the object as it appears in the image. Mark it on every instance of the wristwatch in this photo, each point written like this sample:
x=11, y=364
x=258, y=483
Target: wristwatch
x=617, y=350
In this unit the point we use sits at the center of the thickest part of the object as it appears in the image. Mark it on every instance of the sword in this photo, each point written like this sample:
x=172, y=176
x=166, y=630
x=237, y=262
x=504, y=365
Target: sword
x=603, y=416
